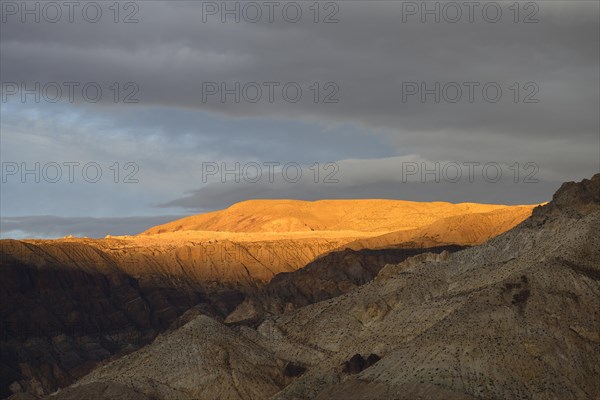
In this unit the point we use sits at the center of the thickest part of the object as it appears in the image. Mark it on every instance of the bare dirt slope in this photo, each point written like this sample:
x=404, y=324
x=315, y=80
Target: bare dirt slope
x=515, y=318
x=323, y=215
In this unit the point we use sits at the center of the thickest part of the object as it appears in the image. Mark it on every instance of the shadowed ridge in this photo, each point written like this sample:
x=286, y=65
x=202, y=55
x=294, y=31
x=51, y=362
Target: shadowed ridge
x=572, y=199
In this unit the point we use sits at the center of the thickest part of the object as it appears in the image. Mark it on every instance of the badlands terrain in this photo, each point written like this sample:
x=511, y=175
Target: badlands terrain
x=361, y=299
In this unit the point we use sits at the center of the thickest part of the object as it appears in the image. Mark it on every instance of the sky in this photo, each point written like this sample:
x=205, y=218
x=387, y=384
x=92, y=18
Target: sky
x=118, y=118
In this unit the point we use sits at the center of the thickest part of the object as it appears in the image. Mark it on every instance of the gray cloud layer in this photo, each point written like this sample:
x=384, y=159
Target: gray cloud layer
x=403, y=178
x=369, y=54
x=217, y=196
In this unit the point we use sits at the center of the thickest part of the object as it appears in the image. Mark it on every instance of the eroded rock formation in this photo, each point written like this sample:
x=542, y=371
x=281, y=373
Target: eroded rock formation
x=514, y=318
x=68, y=304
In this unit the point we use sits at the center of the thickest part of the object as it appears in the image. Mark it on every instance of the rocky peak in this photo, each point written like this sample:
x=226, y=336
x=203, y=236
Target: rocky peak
x=572, y=199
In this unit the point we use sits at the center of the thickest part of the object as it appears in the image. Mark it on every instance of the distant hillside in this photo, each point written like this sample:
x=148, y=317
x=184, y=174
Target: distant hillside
x=324, y=215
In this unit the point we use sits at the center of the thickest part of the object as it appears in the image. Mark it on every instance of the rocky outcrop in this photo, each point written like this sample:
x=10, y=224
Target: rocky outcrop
x=573, y=199
x=358, y=363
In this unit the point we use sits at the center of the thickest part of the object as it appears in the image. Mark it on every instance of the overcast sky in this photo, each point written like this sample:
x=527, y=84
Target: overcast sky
x=367, y=99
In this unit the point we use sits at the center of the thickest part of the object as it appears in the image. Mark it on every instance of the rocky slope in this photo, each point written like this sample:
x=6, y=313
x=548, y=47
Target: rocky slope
x=58, y=322
x=89, y=313
x=326, y=277
x=515, y=318
x=249, y=243
x=68, y=304
x=464, y=229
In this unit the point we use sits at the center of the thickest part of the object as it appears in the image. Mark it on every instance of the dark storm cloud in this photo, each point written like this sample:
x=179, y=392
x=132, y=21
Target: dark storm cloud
x=369, y=53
